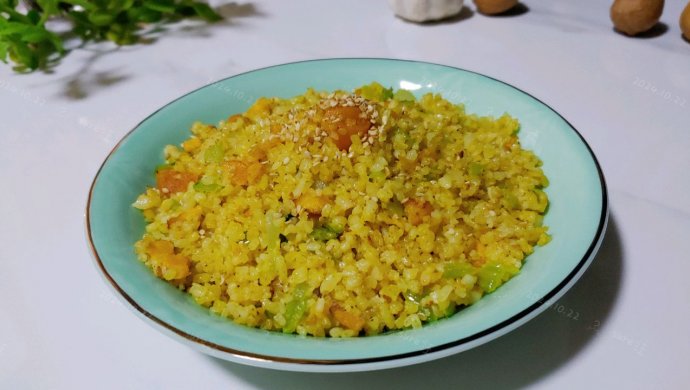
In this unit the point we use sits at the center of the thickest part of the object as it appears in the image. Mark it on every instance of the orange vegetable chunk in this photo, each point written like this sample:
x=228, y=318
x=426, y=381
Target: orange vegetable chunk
x=342, y=122
x=416, y=210
x=170, y=181
x=347, y=319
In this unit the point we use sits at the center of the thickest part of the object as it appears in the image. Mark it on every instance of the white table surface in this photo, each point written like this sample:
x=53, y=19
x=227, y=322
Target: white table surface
x=62, y=328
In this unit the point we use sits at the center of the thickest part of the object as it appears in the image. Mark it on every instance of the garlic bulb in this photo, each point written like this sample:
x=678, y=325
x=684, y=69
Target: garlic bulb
x=425, y=10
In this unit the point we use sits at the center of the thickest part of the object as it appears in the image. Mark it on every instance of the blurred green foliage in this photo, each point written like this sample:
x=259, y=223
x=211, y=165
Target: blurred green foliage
x=29, y=45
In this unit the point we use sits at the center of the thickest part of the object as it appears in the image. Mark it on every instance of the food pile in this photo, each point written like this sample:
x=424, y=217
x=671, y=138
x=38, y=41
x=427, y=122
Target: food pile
x=344, y=213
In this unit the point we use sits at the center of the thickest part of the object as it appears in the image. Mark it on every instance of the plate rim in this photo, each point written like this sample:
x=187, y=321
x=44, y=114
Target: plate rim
x=256, y=359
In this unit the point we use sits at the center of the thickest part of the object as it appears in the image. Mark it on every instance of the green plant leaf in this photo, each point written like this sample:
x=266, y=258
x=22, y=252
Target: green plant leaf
x=27, y=43
x=205, y=12
x=4, y=47
x=48, y=9
x=87, y=5
x=8, y=3
x=33, y=16
x=144, y=15
x=34, y=36
x=117, y=6
x=101, y=18
x=160, y=6
x=55, y=40
x=11, y=28
x=21, y=54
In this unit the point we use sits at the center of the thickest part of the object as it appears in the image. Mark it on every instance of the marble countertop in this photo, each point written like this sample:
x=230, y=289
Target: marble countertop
x=62, y=328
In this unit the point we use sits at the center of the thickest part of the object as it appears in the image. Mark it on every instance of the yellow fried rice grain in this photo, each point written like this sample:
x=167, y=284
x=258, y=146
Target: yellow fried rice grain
x=345, y=213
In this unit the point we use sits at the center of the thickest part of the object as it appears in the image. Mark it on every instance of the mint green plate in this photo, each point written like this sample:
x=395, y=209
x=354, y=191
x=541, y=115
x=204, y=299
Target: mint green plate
x=577, y=218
